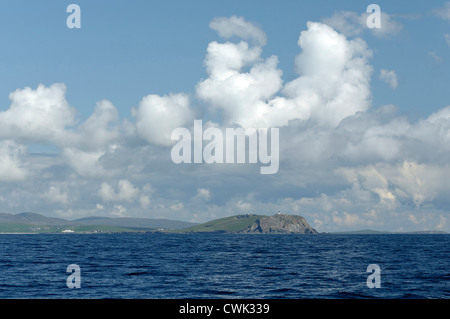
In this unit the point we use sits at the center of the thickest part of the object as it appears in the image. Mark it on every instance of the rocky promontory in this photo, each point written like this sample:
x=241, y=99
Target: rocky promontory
x=281, y=224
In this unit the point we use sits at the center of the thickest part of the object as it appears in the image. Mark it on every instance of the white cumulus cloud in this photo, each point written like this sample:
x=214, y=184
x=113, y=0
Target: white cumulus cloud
x=157, y=116
x=40, y=115
x=100, y=130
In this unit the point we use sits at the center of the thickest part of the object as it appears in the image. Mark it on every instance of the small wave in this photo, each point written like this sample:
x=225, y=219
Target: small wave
x=217, y=292
x=173, y=274
x=271, y=268
x=282, y=290
x=137, y=273
x=6, y=286
x=269, y=275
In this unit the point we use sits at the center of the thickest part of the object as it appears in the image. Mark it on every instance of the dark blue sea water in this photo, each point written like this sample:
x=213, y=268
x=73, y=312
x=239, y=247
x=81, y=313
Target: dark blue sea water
x=154, y=266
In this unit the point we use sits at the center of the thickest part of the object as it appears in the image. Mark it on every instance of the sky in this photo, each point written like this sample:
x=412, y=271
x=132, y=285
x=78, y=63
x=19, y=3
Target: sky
x=86, y=114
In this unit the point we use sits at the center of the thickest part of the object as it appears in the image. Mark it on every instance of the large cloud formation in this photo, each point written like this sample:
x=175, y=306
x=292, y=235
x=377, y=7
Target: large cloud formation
x=333, y=83
x=344, y=163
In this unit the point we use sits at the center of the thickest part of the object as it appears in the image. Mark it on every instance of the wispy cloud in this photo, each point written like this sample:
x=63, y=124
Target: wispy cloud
x=390, y=77
x=436, y=58
x=444, y=11
x=447, y=38
x=354, y=24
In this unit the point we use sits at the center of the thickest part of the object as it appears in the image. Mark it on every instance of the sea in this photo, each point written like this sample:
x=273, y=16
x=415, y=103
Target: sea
x=230, y=266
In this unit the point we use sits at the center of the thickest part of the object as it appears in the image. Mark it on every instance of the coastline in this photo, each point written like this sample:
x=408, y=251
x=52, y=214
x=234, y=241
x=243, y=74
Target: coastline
x=233, y=233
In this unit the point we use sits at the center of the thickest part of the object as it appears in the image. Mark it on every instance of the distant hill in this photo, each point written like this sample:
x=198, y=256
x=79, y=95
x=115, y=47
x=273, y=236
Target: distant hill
x=31, y=218
x=361, y=232
x=135, y=222
x=37, y=223
x=255, y=224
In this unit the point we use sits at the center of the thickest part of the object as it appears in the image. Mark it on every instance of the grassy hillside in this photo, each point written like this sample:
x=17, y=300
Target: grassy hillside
x=228, y=224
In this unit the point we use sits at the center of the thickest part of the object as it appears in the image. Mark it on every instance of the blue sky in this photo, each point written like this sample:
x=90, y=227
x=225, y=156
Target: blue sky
x=383, y=161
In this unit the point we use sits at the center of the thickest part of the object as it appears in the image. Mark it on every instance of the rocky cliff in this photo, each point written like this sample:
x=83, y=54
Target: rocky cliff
x=281, y=224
